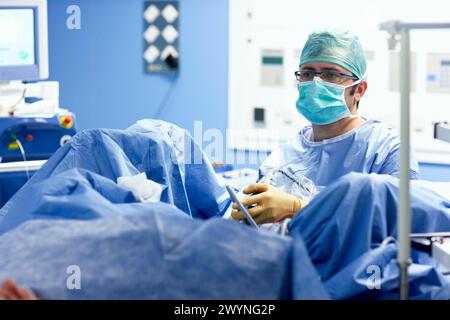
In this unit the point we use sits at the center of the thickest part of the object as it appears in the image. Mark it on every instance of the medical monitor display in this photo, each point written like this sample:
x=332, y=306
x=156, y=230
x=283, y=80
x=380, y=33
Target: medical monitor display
x=17, y=37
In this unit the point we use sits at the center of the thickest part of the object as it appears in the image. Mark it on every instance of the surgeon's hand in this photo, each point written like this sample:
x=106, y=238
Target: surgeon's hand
x=270, y=204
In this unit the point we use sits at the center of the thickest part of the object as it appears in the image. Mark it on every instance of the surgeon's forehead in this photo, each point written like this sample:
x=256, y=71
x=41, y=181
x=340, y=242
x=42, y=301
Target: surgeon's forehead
x=319, y=65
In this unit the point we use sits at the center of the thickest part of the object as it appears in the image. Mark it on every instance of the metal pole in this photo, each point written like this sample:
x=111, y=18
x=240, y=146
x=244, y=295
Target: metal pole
x=395, y=27
x=404, y=225
x=424, y=25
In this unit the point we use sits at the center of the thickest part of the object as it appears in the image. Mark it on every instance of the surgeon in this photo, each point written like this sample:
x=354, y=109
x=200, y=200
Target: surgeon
x=332, y=81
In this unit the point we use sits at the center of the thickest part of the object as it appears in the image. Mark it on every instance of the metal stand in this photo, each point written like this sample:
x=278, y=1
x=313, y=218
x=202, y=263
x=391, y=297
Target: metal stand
x=397, y=28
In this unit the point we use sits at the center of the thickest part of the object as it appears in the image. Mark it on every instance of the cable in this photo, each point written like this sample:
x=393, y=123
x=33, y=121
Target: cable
x=165, y=99
x=11, y=109
x=22, y=151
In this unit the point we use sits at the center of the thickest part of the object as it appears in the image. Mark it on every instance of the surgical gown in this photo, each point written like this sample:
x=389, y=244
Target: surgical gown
x=370, y=148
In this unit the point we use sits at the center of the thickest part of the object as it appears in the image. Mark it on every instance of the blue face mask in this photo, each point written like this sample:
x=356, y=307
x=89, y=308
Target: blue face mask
x=322, y=102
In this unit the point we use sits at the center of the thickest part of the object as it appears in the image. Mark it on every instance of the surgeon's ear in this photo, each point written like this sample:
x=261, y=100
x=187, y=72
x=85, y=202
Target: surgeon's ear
x=360, y=90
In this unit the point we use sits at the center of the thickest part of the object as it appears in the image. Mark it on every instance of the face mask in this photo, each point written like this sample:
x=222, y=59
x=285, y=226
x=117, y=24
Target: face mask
x=322, y=102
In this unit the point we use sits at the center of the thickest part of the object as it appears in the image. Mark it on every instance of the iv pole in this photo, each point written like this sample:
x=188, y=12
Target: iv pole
x=395, y=28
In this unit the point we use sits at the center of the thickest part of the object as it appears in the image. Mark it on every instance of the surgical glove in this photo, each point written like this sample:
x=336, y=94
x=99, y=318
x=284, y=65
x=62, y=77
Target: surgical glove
x=269, y=204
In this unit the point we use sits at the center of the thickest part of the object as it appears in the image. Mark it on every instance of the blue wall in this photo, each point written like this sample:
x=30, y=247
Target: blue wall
x=100, y=67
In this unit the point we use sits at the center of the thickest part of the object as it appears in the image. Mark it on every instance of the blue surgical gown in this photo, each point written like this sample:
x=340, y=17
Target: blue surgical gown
x=370, y=148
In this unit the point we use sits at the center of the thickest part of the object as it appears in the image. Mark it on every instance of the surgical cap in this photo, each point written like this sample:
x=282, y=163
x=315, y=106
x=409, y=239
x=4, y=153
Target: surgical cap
x=336, y=46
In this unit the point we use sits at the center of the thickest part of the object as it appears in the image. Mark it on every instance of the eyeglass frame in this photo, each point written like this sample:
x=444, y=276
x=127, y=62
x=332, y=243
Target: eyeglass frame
x=340, y=74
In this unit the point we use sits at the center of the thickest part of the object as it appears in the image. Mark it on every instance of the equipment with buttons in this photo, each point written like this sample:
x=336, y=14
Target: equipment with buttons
x=161, y=35
x=32, y=125
x=39, y=136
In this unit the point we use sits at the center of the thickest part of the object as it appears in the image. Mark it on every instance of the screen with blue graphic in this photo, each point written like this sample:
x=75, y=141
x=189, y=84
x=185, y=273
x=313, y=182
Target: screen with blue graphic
x=17, y=37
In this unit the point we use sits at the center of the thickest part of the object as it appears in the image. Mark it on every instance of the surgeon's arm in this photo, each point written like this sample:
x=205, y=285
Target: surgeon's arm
x=269, y=203
x=391, y=166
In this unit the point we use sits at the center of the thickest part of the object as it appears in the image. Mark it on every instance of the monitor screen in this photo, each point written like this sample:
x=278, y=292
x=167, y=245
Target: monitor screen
x=17, y=37
x=23, y=40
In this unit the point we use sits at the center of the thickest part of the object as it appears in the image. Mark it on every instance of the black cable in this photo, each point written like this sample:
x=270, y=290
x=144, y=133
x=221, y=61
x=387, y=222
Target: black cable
x=165, y=99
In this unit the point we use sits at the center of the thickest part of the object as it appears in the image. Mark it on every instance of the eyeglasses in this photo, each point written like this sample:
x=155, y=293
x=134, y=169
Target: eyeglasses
x=327, y=75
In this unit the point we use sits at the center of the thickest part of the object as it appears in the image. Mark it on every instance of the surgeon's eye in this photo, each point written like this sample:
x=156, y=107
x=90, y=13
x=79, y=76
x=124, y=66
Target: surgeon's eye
x=331, y=76
x=306, y=75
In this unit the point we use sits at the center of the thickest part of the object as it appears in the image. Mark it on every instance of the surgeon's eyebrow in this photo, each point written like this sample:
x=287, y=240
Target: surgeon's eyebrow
x=332, y=69
x=323, y=69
